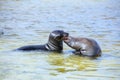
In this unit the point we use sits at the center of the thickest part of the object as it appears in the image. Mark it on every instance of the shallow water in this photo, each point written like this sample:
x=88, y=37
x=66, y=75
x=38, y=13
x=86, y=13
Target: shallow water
x=27, y=22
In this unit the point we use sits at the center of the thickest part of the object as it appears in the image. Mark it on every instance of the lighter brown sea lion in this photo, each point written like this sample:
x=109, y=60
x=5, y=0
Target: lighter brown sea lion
x=84, y=46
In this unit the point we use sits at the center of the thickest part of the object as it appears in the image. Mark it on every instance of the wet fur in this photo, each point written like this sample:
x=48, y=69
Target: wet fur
x=55, y=43
x=84, y=46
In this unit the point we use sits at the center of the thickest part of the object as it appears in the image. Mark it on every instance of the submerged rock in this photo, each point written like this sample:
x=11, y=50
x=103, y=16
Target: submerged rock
x=1, y=32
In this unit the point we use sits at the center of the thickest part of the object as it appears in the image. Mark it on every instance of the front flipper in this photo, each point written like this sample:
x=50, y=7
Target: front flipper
x=80, y=52
x=77, y=52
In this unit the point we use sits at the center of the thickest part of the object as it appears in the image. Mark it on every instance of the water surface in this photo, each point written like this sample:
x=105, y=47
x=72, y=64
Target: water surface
x=27, y=22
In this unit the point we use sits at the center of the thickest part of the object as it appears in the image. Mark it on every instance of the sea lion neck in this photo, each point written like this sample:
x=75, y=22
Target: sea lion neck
x=53, y=44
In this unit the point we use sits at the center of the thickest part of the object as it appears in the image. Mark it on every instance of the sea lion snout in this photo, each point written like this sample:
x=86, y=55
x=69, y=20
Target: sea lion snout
x=68, y=39
x=65, y=36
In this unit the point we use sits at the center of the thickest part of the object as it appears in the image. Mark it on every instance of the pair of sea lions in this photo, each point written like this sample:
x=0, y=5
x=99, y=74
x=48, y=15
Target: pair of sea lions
x=82, y=46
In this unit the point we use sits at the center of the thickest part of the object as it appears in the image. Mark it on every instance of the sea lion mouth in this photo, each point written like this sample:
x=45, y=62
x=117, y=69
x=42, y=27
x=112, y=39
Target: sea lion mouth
x=65, y=36
x=67, y=39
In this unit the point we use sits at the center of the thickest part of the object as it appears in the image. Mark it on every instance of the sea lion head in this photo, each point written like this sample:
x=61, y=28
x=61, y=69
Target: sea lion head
x=58, y=35
x=56, y=38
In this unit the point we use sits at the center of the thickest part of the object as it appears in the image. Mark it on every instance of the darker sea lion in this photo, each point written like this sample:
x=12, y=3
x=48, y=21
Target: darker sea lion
x=84, y=46
x=55, y=42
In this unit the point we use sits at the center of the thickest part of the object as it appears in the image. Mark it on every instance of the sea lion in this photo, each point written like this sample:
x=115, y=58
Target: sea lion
x=55, y=42
x=84, y=46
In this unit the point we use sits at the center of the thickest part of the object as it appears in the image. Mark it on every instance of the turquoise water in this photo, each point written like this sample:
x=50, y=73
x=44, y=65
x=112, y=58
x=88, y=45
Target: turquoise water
x=27, y=22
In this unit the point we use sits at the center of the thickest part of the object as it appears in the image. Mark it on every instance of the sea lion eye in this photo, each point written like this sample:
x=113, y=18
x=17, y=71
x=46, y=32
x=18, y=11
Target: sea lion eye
x=59, y=37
